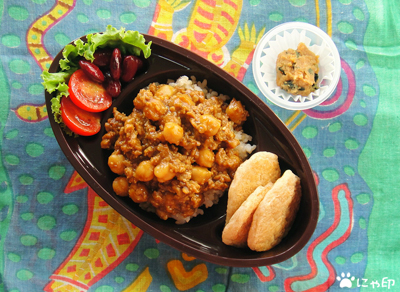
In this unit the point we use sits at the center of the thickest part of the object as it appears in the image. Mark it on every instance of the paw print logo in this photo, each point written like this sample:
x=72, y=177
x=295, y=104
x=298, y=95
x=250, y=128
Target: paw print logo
x=345, y=280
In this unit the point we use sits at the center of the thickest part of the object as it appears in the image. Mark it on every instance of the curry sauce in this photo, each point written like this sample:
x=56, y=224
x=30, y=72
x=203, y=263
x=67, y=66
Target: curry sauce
x=177, y=147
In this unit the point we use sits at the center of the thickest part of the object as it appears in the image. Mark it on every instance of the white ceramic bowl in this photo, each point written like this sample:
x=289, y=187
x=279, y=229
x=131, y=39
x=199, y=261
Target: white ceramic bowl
x=289, y=35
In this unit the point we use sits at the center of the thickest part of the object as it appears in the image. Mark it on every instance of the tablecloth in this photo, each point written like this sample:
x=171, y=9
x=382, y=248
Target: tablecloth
x=48, y=213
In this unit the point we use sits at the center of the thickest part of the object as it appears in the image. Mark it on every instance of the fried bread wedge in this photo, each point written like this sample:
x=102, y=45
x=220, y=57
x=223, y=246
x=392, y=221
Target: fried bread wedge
x=275, y=214
x=259, y=170
x=236, y=231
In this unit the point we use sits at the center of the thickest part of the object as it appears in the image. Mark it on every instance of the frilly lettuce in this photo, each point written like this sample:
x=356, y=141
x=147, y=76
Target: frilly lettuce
x=129, y=42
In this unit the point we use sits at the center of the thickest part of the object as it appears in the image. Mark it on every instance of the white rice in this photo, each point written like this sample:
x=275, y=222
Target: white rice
x=190, y=85
x=244, y=148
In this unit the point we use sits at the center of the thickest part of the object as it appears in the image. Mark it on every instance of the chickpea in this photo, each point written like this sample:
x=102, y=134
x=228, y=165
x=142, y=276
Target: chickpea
x=163, y=172
x=155, y=109
x=234, y=161
x=139, y=192
x=211, y=124
x=205, y=158
x=197, y=96
x=232, y=143
x=165, y=91
x=142, y=98
x=185, y=98
x=116, y=163
x=236, y=112
x=200, y=174
x=145, y=171
x=173, y=133
x=120, y=186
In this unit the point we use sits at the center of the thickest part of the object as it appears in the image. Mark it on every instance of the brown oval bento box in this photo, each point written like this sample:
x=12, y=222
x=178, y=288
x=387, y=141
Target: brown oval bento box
x=201, y=236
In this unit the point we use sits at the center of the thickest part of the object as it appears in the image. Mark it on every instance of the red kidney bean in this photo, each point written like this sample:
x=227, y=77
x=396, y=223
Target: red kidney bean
x=140, y=62
x=102, y=57
x=129, y=67
x=113, y=87
x=115, y=64
x=92, y=71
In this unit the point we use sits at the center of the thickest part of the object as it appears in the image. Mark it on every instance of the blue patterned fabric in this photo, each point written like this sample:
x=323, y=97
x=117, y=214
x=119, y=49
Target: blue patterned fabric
x=47, y=212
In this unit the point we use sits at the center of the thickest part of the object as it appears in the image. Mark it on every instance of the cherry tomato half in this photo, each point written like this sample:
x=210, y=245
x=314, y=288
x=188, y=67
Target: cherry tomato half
x=87, y=94
x=79, y=121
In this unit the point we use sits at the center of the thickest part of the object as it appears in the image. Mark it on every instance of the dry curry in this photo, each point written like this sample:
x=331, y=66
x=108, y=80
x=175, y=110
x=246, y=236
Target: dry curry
x=177, y=150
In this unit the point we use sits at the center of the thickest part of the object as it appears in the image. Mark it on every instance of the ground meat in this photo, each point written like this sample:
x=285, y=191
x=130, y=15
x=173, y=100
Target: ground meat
x=176, y=145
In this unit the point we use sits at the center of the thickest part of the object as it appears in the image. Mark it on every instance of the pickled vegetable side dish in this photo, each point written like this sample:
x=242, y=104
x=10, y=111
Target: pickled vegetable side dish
x=297, y=71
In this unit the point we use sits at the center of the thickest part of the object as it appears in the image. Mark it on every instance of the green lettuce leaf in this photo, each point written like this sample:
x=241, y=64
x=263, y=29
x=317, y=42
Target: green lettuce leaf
x=69, y=53
x=62, y=90
x=129, y=42
x=52, y=81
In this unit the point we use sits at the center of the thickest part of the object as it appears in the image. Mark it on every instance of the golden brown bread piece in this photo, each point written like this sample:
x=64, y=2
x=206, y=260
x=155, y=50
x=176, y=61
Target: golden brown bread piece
x=275, y=213
x=236, y=231
x=259, y=170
